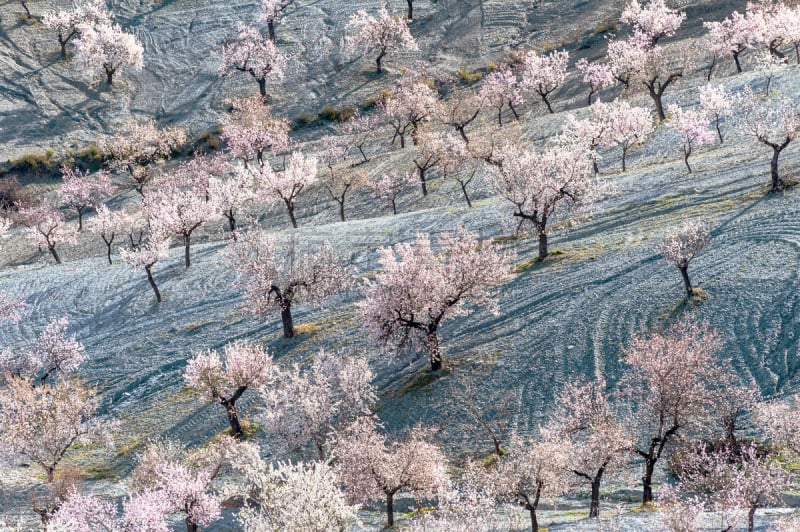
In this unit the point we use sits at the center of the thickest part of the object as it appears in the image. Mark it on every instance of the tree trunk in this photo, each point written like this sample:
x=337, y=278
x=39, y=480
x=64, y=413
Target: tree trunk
x=594, y=506
x=363, y=155
x=542, y=246
x=711, y=68
x=719, y=131
x=624, y=155
x=231, y=220
x=110, y=81
x=534, y=521
x=511, y=106
x=290, y=208
x=422, y=180
x=736, y=60
x=233, y=418
x=434, y=350
x=390, y=509
x=153, y=283
x=463, y=133
x=647, y=481
x=262, y=87
x=547, y=103
x=777, y=183
x=378, y=61
x=190, y=525
x=591, y=93
x=410, y=9
x=286, y=319
x=187, y=237
x=500, y=116
x=656, y=95
x=686, y=282
x=750, y=515
x=52, y=249
x=108, y=248
x=686, y=154
x=341, y=209
x=466, y=196
x=595, y=167
x=271, y=29
x=25, y=7
x=63, y=45
x=80, y=218
x=394, y=206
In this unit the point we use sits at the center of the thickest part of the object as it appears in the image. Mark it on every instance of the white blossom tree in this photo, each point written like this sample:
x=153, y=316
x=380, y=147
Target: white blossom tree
x=253, y=53
x=715, y=102
x=692, y=128
x=285, y=186
x=627, y=126
x=681, y=246
x=146, y=256
x=251, y=131
x=105, y=49
x=543, y=74
x=272, y=11
x=501, y=89
x=66, y=23
x=81, y=190
x=46, y=227
x=382, y=33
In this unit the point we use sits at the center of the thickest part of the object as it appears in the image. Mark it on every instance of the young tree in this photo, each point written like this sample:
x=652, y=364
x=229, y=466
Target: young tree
x=66, y=23
x=543, y=73
x=54, y=352
x=145, y=512
x=146, y=256
x=627, y=126
x=340, y=180
x=253, y=54
x=591, y=132
x=276, y=276
x=389, y=187
x=458, y=162
x=596, y=439
x=252, y=131
x=246, y=366
x=82, y=191
x=657, y=68
x=492, y=418
x=460, y=109
x=109, y=225
x=231, y=195
x=358, y=131
x=501, y=88
x=680, y=246
x=46, y=227
x=715, y=102
x=418, y=289
x=429, y=152
x=300, y=172
x=307, y=410
x=692, y=128
x=410, y=103
x=105, y=49
x=653, y=21
x=597, y=75
x=732, y=35
x=543, y=186
x=271, y=11
x=373, y=470
x=775, y=126
x=668, y=383
x=381, y=34
x=140, y=145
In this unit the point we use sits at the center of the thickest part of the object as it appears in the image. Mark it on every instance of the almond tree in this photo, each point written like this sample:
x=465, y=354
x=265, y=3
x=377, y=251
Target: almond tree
x=246, y=366
x=308, y=410
x=253, y=54
x=545, y=186
x=429, y=152
x=275, y=276
x=653, y=21
x=668, y=384
x=501, y=88
x=46, y=227
x=597, y=75
x=358, y=131
x=596, y=439
x=339, y=180
x=231, y=195
x=458, y=162
x=627, y=126
x=53, y=353
x=389, y=187
x=732, y=35
x=543, y=73
x=140, y=145
x=591, y=132
x=109, y=225
x=271, y=11
x=680, y=246
x=715, y=102
x=692, y=128
x=773, y=125
x=82, y=191
x=460, y=109
x=285, y=186
x=251, y=131
x=372, y=469
x=66, y=23
x=417, y=289
x=145, y=512
x=410, y=103
x=381, y=34
x=146, y=256
x=105, y=49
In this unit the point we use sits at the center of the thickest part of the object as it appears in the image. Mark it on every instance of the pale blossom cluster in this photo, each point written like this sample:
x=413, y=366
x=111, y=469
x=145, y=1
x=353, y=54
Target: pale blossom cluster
x=382, y=33
x=543, y=73
x=692, y=127
x=66, y=23
x=103, y=49
x=389, y=186
x=681, y=246
x=716, y=103
x=254, y=54
x=46, y=227
x=409, y=104
x=284, y=186
x=597, y=75
x=655, y=20
x=501, y=89
x=83, y=190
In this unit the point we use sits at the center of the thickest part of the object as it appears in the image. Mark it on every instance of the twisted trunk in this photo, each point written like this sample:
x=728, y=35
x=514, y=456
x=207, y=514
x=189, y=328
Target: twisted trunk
x=152, y=282
x=686, y=282
x=434, y=349
x=286, y=319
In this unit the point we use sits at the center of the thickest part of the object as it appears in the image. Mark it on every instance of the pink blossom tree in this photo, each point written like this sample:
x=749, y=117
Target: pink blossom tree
x=692, y=128
x=458, y=162
x=109, y=225
x=306, y=411
x=285, y=186
x=597, y=440
x=272, y=11
x=253, y=54
x=681, y=246
x=715, y=103
x=46, y=227
x=388, y=187
x=597, y=75
x=591, y=132
x=82, y=191
x=382, y=33
x=146, y=256
x=429, y=153
x=231, y=195
x=627, y=126
x=418, y=289
x=245, y=366
x=410, y=103
x=732, y=35
x=543, y=186
x=145, y=512
x=543, y=73
x=460, y=109
x=501, y=89
x=105, y=49
x=358, y=131
x=276, y=276
x=138, y=147
x=340, y=179
x=668, y=383
x=653, y=21
x=775, y=126
x=66, y=23
x=373, y=469
x=251, y=131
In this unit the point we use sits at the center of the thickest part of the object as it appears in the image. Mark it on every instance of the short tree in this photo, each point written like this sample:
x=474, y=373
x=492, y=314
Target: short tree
x=271, y=11
x=715, y=103
x=251, y=131
x=419, y=289
x=458, y=163
x=372, y=470
x=543, y=74
x=543, y=186
x=277, y=276
x=461, y=108
x=501, y=89
x=597, y=75
x=66, y=23
x=146, y=256
x=653, y=21
x=692, y=128
x=231, y=195
x=140, y=145
x=81, y=191
x=340, y=179
x=410, y=103
x=144, y=512
x=429, y=152
x=308, y=410
x=245, y=366
x=732, y=35
x=775, y=126
x=382, y=33
x=110, y=225
x=285, y=186
x=668, y=383
x=46, y=227
x=681, y=246
x=627, y=127
x=388, y=187
x=480, y=413
x=105, y=49
x=358, y=131
x=253, y=54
